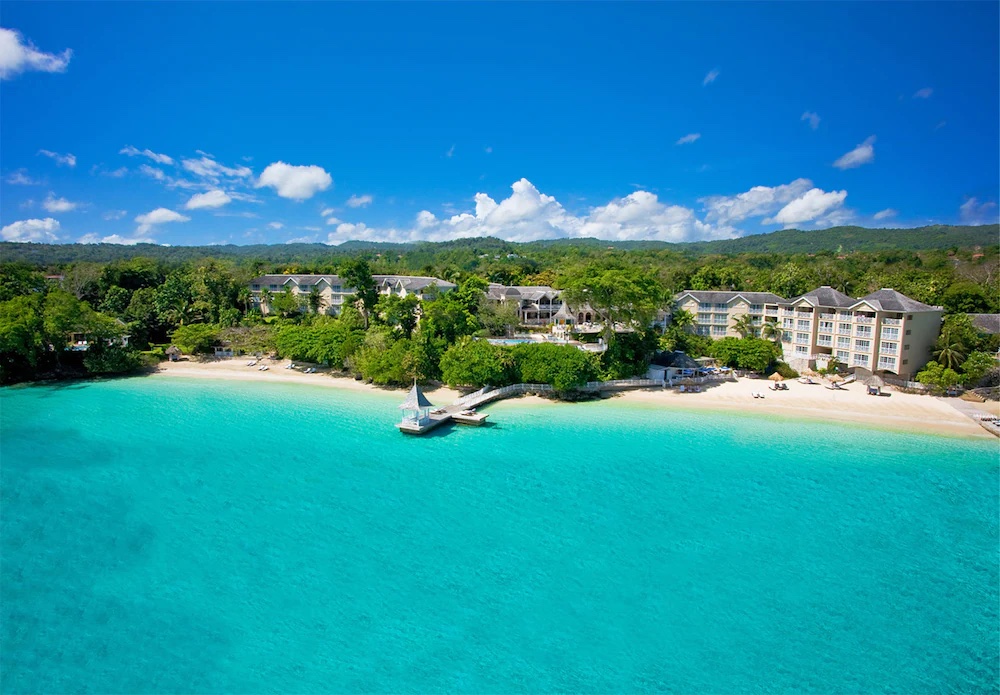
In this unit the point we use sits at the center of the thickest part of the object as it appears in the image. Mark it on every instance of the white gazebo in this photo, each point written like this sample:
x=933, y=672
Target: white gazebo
x=416, y=407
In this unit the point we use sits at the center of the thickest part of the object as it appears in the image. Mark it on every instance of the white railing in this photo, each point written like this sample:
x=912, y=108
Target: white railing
x=828, y=316
x=892, y=322
x=864, y=319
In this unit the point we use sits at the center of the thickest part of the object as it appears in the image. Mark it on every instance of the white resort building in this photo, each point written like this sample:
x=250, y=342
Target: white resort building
x=882, y=331
x=333, y=291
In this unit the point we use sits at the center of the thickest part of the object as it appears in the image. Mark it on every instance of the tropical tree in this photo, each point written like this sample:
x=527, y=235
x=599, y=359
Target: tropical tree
x=618, y=295
x=315, y=300
x=357, y=274
x=744, y=326
x=771, y=330
x=950, y=351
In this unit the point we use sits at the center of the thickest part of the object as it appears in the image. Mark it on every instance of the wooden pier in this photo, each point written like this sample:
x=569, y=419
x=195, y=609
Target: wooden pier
x=423, y=417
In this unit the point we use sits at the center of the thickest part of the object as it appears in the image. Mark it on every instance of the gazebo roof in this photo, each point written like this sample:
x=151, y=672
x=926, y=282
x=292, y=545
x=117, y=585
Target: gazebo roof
x=415, y=400
x=563, y=313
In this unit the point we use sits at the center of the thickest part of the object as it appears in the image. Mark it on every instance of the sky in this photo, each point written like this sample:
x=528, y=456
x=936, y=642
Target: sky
x=245, y=123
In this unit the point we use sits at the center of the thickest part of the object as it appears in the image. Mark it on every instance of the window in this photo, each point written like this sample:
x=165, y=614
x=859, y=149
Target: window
x=862, y=345
x=703, y=330
x=843, y=341
x=272, y=287
x=826, y=325
x=864, y=331
x=906, y=347
x=844, y=328
x=909, y=317
x=887, y=363
x=718, y=330
x=907, y=331
x=888, y=347
x=802, y=324
x=905, y=361
x=704, y=318
x=801, y=350
x=890, y=333
x=255, y=286
x=756, y=308
x=861, y=359
x=721, y=307
x=305, y=288
x=843, y=355
x=802, y=338
x=787, y=323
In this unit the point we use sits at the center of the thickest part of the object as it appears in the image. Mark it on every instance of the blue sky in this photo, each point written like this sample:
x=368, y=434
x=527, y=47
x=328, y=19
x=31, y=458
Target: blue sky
x=197, y=123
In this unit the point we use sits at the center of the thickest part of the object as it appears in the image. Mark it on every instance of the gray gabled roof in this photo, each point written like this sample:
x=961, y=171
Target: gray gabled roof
x=415, y=400
x=724, y=297
x=677, y=360
x=826, y=296
x=987, y=323
x=890, y=300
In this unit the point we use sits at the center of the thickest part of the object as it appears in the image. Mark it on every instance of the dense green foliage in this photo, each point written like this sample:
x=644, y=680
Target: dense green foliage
x=962, y=355
x=198, y=298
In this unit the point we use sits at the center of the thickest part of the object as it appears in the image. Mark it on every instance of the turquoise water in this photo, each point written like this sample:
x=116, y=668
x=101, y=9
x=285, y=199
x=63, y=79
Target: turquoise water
x=165, y=535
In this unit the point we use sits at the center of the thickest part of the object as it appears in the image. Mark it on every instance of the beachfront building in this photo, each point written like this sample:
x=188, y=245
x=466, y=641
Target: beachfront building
x=537, y=305
x=333, y=292
x=716, y=313
x=882, y=331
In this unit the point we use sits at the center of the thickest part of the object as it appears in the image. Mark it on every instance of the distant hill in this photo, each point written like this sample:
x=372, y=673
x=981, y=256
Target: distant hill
x=788, y=241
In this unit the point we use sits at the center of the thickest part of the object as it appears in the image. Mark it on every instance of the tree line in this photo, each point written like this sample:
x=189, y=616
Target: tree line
x=203, y=302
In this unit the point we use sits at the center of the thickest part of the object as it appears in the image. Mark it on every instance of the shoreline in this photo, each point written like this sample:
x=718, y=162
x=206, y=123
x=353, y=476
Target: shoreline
x=897, y=412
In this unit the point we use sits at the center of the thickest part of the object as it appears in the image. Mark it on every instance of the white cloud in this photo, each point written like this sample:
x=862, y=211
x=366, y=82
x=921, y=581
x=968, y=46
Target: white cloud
x=688, y=139
x=862, y=154
x=813, y=119
x=275, y=225
x=359, y=201
x=114, y=214
x=157, y=216
x=20, y=178
x=312, y=229
x=334, y=220
x=152, y=172
x=244, y=197
x=527, y=215
x=246, y=215
x=295, y=182
x=117, y=173
x=40, y=231
x=55, y=205
x=18, y=55
x=451, y=152
x=924, y=93
x=885, y=214
x=136, y=152
x=302, y=240
x=115, y=239
x=813, y=204
x=710, y=77
x=974, y=212
x=211, y=199
x=60, y=159
x=208, y=168
x=758, y=201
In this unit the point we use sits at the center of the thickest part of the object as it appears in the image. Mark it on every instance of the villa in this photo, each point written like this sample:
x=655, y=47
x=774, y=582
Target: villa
x=882, y=331
x=333, y=291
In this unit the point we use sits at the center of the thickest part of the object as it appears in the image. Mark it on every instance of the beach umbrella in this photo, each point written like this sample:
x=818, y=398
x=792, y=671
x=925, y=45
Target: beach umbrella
x=876, y=381
x=776, y=377
x=836, y=378
x=809, y=372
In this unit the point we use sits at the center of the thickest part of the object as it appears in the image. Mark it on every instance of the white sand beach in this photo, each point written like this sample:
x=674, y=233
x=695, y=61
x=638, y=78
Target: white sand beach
x=895, y=410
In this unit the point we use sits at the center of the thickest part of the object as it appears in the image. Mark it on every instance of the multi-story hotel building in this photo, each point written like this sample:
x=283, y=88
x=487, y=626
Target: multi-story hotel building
x=333, y=291
x=882, y=331
x=716, y=313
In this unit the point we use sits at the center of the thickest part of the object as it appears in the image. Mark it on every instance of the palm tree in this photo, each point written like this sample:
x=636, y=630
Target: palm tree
x=744, y=326
x=772, y=331
x=949, y=351
x=682, y=319
x=265, y=299
x=315, y=300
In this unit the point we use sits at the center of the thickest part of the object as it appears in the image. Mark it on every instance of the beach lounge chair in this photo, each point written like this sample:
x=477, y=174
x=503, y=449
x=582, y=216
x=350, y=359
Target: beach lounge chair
x=252, y=363
x=264, y=368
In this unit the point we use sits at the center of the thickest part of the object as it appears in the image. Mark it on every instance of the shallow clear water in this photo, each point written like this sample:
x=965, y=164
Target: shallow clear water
x=165, y=535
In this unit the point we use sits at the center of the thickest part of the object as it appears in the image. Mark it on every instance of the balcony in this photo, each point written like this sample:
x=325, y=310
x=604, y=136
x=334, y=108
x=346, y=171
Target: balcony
x=828, y=317
x=771, y=312
x=824, y=342
x=864, y=319
x=892, y=322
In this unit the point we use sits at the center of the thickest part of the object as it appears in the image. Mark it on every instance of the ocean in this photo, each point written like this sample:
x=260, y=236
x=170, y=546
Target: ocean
x=164, y=535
